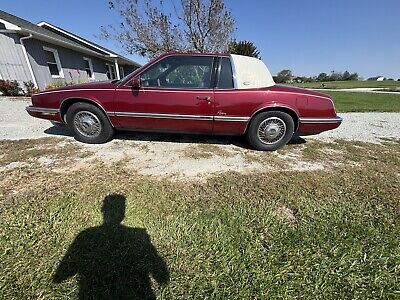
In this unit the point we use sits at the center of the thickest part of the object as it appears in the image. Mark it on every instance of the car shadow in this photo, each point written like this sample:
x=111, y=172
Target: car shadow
x=113, y=261
x=238, y=141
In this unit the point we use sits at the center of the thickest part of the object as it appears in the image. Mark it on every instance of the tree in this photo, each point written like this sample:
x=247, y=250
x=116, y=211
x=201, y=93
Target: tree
x=335, y=76
x=346, y=75
x=246, y=48
x=354, y=76
x=149, y=27
x=283, y=76
x=322, y=77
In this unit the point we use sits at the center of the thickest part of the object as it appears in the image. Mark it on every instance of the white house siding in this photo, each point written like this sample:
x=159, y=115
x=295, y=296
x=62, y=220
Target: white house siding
x=72, y=64
x=13, y=65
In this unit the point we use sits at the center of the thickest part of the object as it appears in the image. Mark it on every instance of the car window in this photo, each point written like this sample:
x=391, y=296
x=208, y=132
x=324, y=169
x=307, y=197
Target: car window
x=225, y=80
x=183, y=72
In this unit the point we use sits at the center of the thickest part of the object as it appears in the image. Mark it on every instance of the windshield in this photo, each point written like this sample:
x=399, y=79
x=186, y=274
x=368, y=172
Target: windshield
x=136, y=71
x=116, y=81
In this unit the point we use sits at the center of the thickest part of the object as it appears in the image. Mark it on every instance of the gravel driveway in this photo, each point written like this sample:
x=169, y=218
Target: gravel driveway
x=182, y=156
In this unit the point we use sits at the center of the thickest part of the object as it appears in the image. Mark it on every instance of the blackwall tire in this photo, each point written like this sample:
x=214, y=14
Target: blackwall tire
x=269, y=131
x=89, y=124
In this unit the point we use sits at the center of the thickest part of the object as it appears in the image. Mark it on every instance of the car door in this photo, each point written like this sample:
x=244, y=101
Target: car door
x=230, y=104
x=175, y=94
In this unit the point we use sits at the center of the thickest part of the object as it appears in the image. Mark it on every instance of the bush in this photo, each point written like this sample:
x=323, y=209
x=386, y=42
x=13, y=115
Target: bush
x=57, y=84
x=10, y=88
x=30, y=88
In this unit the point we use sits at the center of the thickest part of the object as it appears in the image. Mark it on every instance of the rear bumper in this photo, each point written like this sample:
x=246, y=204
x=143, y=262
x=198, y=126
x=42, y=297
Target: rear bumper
x=309, y=126
x=52, y=114
x=336, y=119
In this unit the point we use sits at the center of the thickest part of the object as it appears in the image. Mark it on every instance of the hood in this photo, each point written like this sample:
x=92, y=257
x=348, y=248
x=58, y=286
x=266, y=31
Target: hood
x=292, y=89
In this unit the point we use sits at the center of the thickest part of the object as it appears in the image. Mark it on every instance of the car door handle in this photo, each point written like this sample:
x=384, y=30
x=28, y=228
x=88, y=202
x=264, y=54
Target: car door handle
x=208, y=99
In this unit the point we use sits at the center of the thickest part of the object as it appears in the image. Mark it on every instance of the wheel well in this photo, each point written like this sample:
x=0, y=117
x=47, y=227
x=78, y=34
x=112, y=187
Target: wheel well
x=68, y=102
x=289, y=111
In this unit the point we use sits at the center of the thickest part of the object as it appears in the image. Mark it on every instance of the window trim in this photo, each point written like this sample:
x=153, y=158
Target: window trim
x=109, y=66
x=58, y=62
x=218, y=73
x=121, y=71
x=210, y=88
x=89, y=60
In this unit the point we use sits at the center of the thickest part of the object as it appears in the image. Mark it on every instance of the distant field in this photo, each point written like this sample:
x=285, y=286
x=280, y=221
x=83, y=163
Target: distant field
x=363, y=102
x=349, y=84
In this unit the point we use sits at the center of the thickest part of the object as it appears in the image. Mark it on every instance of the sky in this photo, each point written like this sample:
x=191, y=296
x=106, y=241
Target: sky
x=305, y=36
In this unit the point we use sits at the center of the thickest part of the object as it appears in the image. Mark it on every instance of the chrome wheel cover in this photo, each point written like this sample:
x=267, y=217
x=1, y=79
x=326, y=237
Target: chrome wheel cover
x=87, y=124
x=271, y=130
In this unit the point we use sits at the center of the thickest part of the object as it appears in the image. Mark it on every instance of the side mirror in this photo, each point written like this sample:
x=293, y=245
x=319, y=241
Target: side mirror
x=135, y=83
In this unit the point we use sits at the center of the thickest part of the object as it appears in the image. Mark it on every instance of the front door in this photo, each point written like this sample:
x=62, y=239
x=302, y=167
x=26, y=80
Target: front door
x=175, y=95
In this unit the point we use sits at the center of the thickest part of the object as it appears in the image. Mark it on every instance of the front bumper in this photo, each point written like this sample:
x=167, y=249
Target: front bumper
x=52, y=114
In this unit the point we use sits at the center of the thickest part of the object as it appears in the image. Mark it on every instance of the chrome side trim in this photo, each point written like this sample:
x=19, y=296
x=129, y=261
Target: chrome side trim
x=231, y=119
x=162, y=116
x=177, y=116
x=43, y=110
x=320, y=120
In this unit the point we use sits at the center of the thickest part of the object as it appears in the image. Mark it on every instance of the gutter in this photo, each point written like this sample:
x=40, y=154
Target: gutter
x=61, y=42
x=27, y=58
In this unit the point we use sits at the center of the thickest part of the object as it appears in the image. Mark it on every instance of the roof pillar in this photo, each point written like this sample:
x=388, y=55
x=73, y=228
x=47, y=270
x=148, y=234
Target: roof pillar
x=117, y=69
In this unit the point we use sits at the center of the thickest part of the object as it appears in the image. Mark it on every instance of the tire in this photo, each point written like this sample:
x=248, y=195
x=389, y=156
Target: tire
x=280, y=128
x=89, y=124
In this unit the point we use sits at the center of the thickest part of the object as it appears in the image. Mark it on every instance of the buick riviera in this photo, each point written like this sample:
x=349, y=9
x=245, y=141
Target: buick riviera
x=191, y=93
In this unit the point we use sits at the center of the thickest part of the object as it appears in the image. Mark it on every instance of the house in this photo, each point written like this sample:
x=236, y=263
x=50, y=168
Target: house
x=44, y=54
x=377, y=78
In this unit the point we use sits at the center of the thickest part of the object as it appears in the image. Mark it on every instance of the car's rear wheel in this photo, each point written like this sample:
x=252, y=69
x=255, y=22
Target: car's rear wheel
x=89, y=123
x=271, y=130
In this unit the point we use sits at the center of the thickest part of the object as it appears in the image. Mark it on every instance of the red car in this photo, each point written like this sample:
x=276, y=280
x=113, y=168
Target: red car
x=202, y=93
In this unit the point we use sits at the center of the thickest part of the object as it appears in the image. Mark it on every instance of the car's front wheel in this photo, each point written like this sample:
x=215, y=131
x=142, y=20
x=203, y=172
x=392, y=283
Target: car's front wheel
x=89, y=123
x=269, y=131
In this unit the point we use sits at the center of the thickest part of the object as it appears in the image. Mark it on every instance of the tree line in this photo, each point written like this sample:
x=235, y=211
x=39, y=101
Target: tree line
x=286, y=76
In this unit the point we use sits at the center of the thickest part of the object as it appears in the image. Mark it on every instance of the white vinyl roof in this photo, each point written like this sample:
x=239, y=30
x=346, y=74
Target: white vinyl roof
x=250, y=72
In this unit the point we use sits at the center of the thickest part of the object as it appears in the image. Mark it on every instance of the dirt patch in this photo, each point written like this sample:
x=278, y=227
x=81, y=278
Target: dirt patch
x=287, y=214
x=206, y=151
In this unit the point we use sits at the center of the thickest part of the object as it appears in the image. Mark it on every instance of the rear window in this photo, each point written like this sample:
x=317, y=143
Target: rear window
x=225, y=80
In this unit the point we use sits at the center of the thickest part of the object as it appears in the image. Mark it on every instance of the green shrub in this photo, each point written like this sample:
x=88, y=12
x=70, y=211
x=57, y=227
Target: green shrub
x=30, y=88
x=10, y=88
x=57, y=84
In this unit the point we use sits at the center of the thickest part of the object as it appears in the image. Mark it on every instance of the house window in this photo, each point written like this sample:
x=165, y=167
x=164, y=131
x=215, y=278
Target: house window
x=53, y=62
x=121, y=72
x=88, y=67
x=110, y=70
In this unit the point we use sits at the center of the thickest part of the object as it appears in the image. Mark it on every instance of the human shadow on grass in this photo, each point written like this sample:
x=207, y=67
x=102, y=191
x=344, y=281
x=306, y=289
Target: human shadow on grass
x=185, y=138
x=113, y=261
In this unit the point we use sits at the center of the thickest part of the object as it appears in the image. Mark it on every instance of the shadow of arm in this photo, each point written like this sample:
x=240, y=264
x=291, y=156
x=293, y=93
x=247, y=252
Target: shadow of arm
x=68, y=266
x=158, y=269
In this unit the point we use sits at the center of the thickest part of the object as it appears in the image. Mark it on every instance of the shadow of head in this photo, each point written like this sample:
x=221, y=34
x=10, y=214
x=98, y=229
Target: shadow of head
x=113, y=209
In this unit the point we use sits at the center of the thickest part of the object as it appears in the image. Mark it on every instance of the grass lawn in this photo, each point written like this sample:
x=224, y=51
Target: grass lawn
x=277, y=235
x=349, y=84
x=365, y=102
